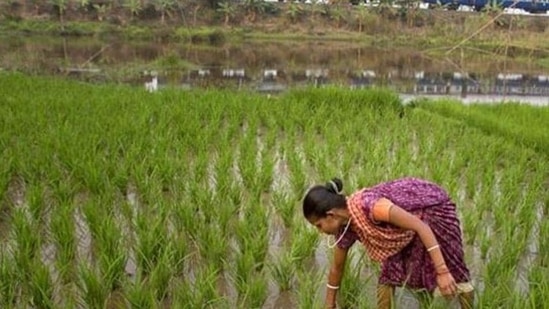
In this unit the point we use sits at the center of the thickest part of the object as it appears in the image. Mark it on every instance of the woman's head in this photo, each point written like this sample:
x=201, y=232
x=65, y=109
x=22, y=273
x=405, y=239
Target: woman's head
x=321, y=206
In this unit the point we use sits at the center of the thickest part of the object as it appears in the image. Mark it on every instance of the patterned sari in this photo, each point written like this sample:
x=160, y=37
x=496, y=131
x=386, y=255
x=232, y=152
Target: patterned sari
x=405, y=260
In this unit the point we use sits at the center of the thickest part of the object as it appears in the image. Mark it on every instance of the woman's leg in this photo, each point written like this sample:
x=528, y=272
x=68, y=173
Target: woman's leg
x=385, y=295
x=467, y=300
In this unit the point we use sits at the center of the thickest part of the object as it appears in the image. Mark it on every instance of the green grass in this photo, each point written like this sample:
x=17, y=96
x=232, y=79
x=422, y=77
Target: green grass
x=526, y=126
x=200, y=190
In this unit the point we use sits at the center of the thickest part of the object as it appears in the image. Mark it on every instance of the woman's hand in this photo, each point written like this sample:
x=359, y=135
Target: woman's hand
x=447, y=284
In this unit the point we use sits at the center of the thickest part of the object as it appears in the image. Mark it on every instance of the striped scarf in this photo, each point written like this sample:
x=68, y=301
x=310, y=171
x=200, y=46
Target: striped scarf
x=381, y=240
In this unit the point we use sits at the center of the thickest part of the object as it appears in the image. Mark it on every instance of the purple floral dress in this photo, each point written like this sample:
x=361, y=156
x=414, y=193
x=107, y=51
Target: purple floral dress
x=412, y=266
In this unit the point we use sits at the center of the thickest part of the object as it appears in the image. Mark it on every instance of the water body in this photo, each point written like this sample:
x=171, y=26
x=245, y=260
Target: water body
x=273, y=67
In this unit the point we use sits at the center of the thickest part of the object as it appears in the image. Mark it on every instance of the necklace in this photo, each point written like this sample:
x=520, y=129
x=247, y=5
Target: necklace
x=340, y=236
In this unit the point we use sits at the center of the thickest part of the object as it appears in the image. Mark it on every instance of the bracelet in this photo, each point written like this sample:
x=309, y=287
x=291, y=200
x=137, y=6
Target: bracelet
x=440, y=264
x=432, y=248
x=332, y=287
x=446, y=271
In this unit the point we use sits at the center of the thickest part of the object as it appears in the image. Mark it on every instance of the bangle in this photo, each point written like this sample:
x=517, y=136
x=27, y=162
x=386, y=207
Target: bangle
x=332, y=287
x=446, y=271
x=432, y=248
x=440, y=264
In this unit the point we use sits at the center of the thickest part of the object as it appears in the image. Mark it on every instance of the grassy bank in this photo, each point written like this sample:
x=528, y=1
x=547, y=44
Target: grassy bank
x=112, y=196
x=193, y=21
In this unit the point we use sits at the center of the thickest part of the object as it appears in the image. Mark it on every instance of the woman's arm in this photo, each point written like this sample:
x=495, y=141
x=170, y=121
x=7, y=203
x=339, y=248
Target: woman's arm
x=335, y=275
x=385, y=211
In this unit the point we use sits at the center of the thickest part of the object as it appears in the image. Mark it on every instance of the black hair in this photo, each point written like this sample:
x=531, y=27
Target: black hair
x=322, y=198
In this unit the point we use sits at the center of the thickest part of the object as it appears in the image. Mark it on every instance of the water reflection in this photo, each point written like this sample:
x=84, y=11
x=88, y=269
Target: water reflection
x=273, y=67
x=420, y=83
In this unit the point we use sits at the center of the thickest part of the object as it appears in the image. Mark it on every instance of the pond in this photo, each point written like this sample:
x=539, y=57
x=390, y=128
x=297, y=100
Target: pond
x=272, y=67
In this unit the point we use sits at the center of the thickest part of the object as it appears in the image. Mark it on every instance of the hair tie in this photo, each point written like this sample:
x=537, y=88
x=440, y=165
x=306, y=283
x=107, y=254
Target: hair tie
x=334, y=187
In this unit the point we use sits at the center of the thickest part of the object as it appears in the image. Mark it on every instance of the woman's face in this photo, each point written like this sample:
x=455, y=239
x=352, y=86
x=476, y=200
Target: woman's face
x=330, y=224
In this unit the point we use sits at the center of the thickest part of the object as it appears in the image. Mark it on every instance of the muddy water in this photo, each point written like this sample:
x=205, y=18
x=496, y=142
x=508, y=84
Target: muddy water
x=277, y=66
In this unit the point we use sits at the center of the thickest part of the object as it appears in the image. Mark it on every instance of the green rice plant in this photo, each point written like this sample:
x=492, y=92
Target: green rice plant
x=267, y=170
x=247, y=158
x=499, y=285
x=223, y=166
x=35, y=195
x=304, y=243
x=256, y=291
x=140, y=294
x=212, y=246
x=538, y=287
x=226, y=210
x=152, y=240
x=94, y=293
x=284, y=207
x=180, y=251
x=543, y=247
x=298, y=178
x=200, y=194
x=307, y=289
x=198, y=290
x=353, y=284
x=283, y=270
x=107, y=240
x=184, y=216
x=40, y=286
x=27, y=242
x=252, y=232
x=10, y=284
x=62, y=231
x=249, y=280
x=471, y=223
x=161, y=274
x=201, y=162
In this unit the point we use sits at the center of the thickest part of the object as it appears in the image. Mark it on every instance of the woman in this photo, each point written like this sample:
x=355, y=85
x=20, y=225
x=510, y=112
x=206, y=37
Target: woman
x=409, y=224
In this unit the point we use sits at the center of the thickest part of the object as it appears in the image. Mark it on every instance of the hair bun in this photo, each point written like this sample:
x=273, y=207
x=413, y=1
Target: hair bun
x=335, y=185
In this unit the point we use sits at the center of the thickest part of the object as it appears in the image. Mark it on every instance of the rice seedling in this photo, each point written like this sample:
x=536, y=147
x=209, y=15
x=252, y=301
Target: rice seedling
x=161, y=275
x=92, y=290
x=109, y=252
x=140, y=294
x=538, y=287
x=211, y=245
x=198, y=290
x=62, y=231
x=40, y=286
x=10, y=283
x=152, y=241
x=308, y=295
x=283, y=270
x=254, y=240
x=284, y=207
x=27, y=242
x=355, y=282
x=267, y=169
x=304, y=242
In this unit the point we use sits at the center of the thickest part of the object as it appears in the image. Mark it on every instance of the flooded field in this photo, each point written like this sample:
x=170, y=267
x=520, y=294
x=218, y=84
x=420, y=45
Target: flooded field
x=181, y=199
x=277, y=66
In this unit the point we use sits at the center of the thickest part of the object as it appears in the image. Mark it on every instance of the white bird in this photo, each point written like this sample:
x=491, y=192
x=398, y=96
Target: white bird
x=152, y=86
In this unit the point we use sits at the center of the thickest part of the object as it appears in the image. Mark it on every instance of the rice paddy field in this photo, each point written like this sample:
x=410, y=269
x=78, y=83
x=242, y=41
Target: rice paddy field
x=113, y=197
